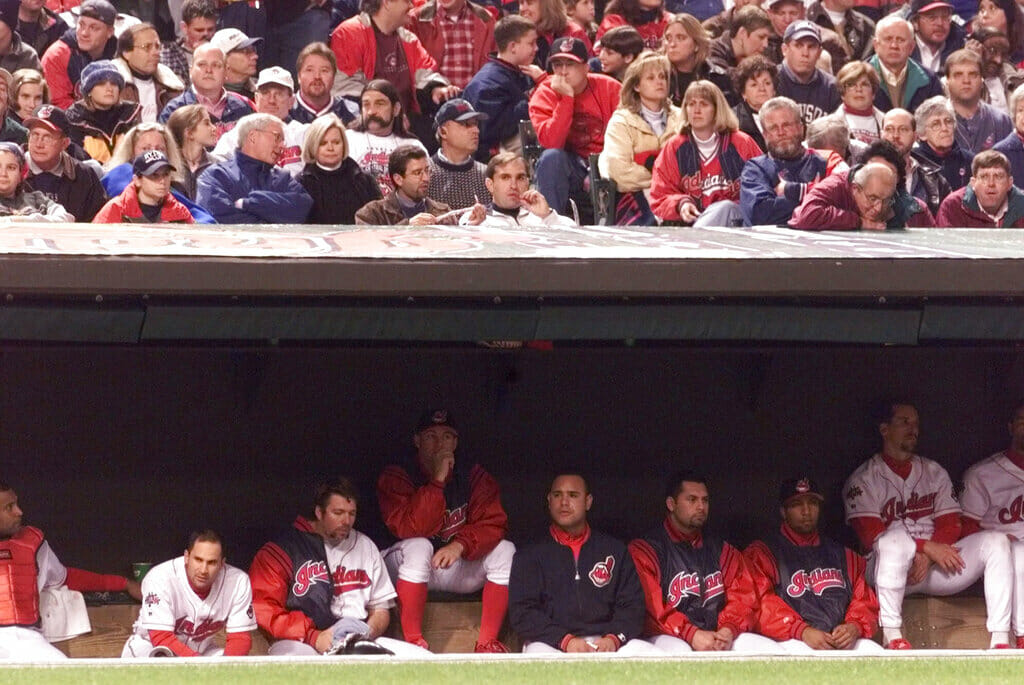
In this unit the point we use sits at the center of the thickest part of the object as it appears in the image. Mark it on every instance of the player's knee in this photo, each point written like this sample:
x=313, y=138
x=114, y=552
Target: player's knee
x=416, y=553
x=994, y=544
x=896, y=543
x=498, y=562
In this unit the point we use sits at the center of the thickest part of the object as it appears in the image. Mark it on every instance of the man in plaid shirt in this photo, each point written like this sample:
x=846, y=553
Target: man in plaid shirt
x=458, y=34
x=198, y=23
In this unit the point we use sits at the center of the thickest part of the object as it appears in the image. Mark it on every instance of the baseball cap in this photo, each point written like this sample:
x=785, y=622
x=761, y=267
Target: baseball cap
x=802, y=29
x=459, y=110
x=150, y=162
x=277, y=76
x=793, y=487
x=922, y=6
x=51, y=117
x=571, y=48
x=434, y=417
x=772, y=3
x=233, y=39
x=100, y=10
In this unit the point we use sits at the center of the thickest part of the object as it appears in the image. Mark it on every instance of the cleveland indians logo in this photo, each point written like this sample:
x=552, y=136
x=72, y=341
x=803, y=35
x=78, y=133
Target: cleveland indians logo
x=200, y=632
x=565, y=45
x=1013, y=513
x=452, y=521
x=601, y=574
x=917, y=507
x=817, y=581
x=685, y=585
x=152, y=599
x=345, y=580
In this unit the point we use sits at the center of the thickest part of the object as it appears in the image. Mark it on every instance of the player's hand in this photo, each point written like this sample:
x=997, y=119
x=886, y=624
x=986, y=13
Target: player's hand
x=448, y=555
x=844, y=635
x=134, y=589
x=918, y=568
x=872, y=224
x=441, y=93
x=578, y=645
x=688, y=211
x=444, y=462
x=723, y=639
x=605, y=644
x=816, y=639
x=476, y=215
x=533, y=71
x=780, y=189
x=423, y=219
x=946, y=557
x=561, y=86
x=324, y=641
x=703, y=641
x=535, y=203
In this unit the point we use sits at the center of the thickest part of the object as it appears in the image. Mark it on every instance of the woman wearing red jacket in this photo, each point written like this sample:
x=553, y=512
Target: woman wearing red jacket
x=696, y=178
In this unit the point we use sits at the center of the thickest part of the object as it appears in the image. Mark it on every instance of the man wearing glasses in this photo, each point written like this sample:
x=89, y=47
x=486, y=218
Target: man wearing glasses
x=990, y=200
x=923, y=181
x=249, y=188
x=905, y=83
x=937, y=146
x=147, y=82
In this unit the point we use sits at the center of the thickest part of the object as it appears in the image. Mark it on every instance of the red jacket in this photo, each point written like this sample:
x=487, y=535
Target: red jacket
x=425, y=22
x=778, y=620
x=411, y=512
x=125, y=209
x=738, y=614
x=576, y=124
x=960, y=209
x=652, y=32
x=830, y=206
x=355, y=48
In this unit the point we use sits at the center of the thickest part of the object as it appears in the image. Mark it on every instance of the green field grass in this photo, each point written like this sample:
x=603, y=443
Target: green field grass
x=866, y=671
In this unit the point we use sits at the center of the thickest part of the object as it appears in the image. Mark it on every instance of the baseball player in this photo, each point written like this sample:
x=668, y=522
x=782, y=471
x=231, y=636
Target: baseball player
x=322, y=583
x=902, y=508
x=188, y=600
x=813, y=591
x=451, y=528
x=993, y=499
x=698, y=590
x=576, y=590
x=29, y=567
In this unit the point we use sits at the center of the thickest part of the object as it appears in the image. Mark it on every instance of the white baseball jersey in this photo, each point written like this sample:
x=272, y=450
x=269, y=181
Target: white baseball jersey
x=51, y=572
x=361, y=582
x=875, y=490
x=170, y=603
x=994, y=494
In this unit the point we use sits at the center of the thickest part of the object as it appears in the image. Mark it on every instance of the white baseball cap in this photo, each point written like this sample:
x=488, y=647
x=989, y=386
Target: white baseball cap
x=232, y=39
x=276, y=75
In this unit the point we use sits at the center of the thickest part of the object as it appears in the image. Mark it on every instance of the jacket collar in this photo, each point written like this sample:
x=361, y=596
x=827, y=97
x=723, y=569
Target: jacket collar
x=1014, y=204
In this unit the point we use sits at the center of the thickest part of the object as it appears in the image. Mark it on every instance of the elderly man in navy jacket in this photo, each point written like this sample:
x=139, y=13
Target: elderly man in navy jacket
x=249, y=188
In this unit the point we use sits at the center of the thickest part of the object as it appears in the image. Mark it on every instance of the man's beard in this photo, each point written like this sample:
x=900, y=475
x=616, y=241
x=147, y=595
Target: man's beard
x=786, y=151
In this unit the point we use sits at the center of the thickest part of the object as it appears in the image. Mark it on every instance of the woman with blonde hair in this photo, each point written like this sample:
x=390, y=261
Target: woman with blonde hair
x=194, y=133
x=696, y=178
x=552, y=22
x=29, y=90
x=645, y=120
x=687, y=44
x=338, y=186
x=142, y=138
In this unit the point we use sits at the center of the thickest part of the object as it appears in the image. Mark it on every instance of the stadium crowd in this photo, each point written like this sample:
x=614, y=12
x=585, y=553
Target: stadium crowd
x=839, y=114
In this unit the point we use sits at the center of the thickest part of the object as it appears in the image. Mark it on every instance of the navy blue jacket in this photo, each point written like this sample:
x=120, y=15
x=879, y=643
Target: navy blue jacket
x=269, y=195
x=1013, y=147
x=550, y=595
x=758, y=201
x=499, y=89
x=955, y=166
x=118, y=178
x=235, y=109
x=817, y=98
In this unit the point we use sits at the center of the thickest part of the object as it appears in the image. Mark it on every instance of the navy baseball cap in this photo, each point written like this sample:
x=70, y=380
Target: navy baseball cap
x=802, y=29
x=150, y=162
x=51, y=117
x=922, y=6
x=570, y=48
x=100, y=10
x=435, y=417
x=459, y=110
x=794, y=487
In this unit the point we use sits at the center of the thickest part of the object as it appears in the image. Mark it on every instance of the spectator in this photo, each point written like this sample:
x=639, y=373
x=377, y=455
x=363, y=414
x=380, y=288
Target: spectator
x=552, y=23
x=747, y=36
x=198, y=24
x=1004, y=16
x=28, y=92
x=147, y=199
x=458, y=34
x=409, y=204
x=861, y=201
x=500, y=89
x=720, y=23
x=644, y=122
x=701, y=10
x=18, y=203
x=852, y=27
x=1000, y=76
x=783, y=13
x=989, y=201
x=978, y=126
x=1012, y=146
x=146, y=81
x=647, y=17
x=617, y=49
x=381, y=129
x=38, y=25
x=799, y=79
x=374, y=45
x=774, y=184
x=858, y=83
x=14, y=54
x=456, y=178
x=208, y=90
x=143, y=138
x=904, y=82
x=101, y=118
x=936, y=141
x=248, y=188
x=686, y=46
x=570, y=111
x=583, y=12
x=832, y=134
x=274, y=95
x=936, y=35
x=240, y=61
x=924, y=181
x=194, y=134
x=291, y=26
x=513, y=202
x=92, y=39
x=316, y=69
x=328, y=167
x=53, y=172
x=10, y=130
x=696, y=178
x=754, y=80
